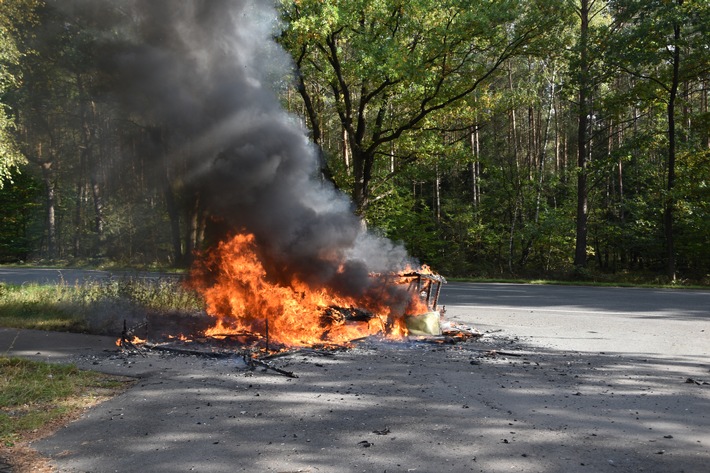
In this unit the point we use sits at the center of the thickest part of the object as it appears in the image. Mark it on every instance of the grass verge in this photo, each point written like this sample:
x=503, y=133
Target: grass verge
x=83, y=307
x=37, y=398
x=37, y=307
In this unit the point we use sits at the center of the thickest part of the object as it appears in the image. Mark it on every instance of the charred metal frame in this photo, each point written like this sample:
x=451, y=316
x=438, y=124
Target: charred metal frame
x=428, y=286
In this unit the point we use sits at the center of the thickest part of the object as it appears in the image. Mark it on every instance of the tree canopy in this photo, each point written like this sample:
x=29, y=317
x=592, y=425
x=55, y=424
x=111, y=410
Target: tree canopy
x=537, y=138
x=389, y=68
x=15, y=16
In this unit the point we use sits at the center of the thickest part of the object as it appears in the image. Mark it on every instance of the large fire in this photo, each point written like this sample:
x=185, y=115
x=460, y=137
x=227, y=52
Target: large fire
x=242, y=297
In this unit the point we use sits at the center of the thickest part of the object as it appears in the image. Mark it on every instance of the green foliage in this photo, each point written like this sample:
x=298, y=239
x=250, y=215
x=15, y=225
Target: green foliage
x=18, y=201
x=395, y=71
x=457, y=122
x=641, y=42
x=14, y=15
x=693, y=210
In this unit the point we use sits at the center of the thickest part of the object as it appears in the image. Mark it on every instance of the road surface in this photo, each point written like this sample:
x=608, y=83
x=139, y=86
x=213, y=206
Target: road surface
x=581, y=380
x=667, y=322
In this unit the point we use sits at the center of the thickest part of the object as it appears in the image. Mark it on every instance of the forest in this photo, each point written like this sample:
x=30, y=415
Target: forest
x=516, y=138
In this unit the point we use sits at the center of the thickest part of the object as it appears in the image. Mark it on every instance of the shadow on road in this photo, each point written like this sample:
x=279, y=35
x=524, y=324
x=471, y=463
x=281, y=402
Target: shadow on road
x=399, y=407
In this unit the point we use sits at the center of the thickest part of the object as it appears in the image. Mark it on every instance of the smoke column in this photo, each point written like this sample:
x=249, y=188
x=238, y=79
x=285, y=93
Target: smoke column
x=207, y=72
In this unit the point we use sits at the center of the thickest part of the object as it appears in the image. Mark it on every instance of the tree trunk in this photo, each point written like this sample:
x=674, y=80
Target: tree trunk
x=543, y=150
x=362, y=172
x=347, y=155
x=51, y=205
x=171, y=204
x=314, y=120
x=670, y=200
x=580, y=253
x=511, y=238
x=475, y=167
x=192, y=229
x=174, y=216
x=705, y=133
x=437, y=195
x=99, y=219
x=78, y=203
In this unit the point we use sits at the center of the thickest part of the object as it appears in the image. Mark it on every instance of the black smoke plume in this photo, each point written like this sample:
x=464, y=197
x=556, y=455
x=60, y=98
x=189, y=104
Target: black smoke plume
x=207, y=73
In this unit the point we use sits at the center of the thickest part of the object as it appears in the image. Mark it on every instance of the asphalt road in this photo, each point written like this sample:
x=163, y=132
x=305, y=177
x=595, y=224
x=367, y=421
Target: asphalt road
x=667, y=322
x=570, y=380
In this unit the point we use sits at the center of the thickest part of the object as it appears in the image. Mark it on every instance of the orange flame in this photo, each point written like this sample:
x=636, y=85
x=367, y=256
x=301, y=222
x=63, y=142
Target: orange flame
x=238, y=292
x=135, y=341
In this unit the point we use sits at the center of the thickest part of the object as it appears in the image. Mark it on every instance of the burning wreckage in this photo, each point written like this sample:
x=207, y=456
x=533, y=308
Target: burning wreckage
x=422, y=286
x=302, y=272
x=424, y=322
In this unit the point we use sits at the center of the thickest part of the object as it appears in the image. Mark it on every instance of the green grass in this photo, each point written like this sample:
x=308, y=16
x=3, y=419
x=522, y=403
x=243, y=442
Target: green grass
x=66, y=307
x=38, y=307
x=36, y=395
